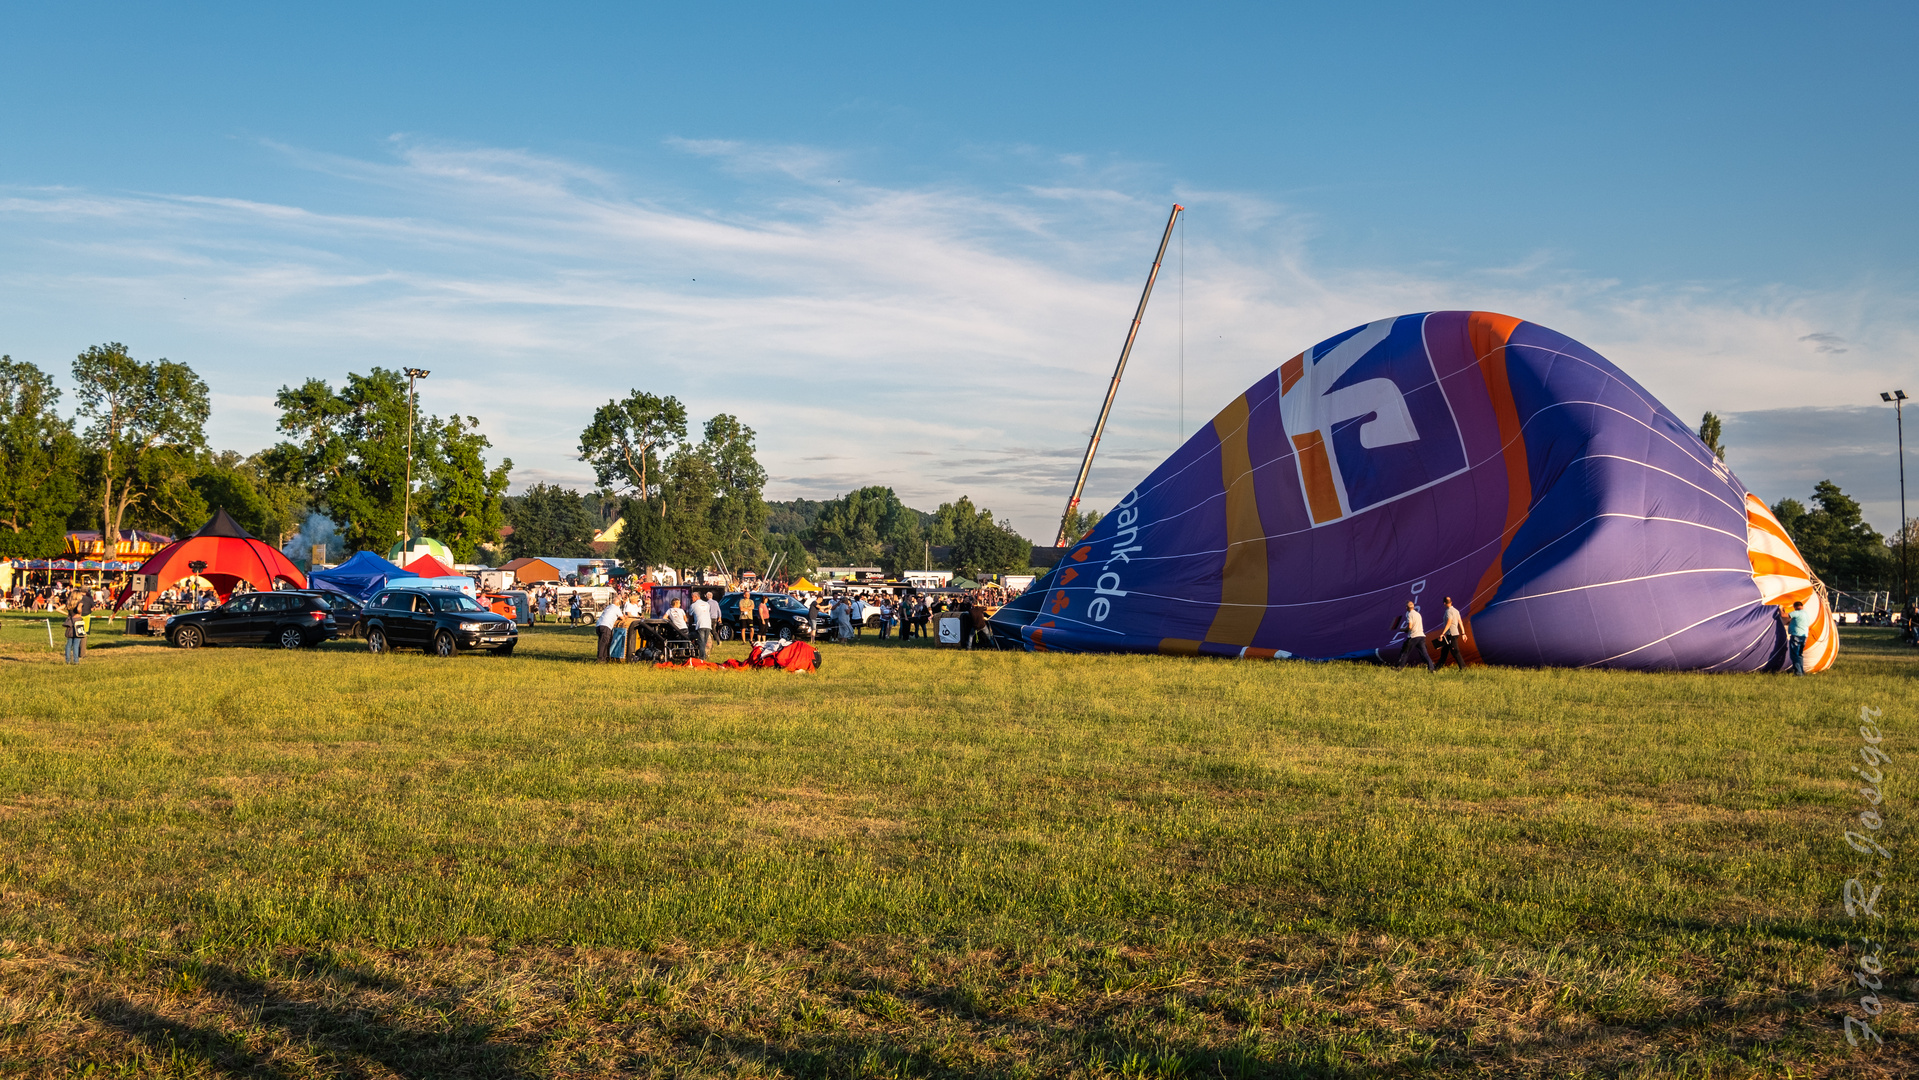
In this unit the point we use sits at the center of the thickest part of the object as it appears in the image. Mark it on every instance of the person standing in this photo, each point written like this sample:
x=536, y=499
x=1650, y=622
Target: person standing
x=78, y=611
x=703, y=623
x=843, y=611
x=1451, y=636
x=608, y=616
x=1798, y=627
x=763, y=615
x=1415, y=628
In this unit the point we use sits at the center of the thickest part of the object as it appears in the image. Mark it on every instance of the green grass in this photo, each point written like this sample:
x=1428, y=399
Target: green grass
x=242, y=861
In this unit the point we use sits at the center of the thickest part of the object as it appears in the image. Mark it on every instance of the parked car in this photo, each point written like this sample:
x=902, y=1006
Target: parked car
x=441, y=621
x=790, y=621
x=290, y=618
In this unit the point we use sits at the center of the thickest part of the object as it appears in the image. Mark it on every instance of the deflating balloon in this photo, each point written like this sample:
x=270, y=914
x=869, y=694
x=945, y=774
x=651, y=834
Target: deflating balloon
x=1573, y=519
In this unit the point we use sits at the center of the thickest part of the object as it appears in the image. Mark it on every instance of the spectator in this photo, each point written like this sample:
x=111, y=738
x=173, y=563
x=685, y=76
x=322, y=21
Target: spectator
x=676, y=620
x=608, y=616
x=704, y=610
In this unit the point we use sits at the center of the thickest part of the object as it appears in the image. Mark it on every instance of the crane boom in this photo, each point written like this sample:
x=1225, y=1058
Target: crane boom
x=1112, y=389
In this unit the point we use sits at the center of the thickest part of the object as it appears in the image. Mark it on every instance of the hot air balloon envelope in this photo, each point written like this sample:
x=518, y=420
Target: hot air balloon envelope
x=1573, y=519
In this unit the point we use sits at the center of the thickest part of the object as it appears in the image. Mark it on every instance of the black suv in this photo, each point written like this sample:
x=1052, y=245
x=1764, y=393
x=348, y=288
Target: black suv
x=443, y=621
x=290, y=618
x=790, y=621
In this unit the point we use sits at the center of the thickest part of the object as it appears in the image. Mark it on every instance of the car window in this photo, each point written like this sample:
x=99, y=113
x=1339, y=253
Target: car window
x=276, y=602
x=239, y=604
x=385, y=600
x=457, y=603
x=420, y=605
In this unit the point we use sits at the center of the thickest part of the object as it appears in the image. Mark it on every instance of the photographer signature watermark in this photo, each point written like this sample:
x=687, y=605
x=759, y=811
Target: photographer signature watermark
x=1863, y=894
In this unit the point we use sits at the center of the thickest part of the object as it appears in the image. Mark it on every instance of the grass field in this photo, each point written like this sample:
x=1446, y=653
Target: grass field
x=917, y=862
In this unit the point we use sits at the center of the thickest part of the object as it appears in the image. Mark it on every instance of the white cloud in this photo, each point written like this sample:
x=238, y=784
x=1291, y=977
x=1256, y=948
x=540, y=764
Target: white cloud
x=942, y=340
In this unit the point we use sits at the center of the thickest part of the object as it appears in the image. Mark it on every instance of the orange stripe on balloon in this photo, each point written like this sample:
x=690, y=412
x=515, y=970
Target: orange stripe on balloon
x=1242, y=591
x=1488, y=334
x=1291, y=372
x=1316, y=471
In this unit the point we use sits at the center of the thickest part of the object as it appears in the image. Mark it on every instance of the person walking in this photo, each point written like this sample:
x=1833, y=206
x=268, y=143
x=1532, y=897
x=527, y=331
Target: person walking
x=1798, y=627
x=703, y=611
x=608, y=616
x=1451, y=636
x=1415, y=628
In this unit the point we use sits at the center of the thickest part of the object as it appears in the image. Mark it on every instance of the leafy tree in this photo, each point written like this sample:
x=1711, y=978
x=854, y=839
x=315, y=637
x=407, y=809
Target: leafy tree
x=350, y=451
x=144, y=421
x=461, y=503
x=797, y=559
x=793, y=517
x=626, y=438
x=245, y=488
x=40, y=463
x=350, y=448
x=737, y=514
x=1079, y=523
x=642, y=541
x=549, y=520
x=1709, y=431
x=980, y=545
x=851, y=530
x=1841, y=548
x=686, y=497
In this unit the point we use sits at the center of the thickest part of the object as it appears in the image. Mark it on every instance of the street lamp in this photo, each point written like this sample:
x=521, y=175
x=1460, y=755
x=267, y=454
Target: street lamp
x=413, y=374
x=1898, y=400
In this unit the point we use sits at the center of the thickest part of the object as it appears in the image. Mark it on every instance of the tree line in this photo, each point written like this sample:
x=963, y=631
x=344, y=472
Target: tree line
x=689, y=502
x=134, y=455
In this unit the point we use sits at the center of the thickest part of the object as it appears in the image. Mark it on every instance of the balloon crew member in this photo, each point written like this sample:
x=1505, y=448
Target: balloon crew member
x=1415, y=628
x=1451, y=636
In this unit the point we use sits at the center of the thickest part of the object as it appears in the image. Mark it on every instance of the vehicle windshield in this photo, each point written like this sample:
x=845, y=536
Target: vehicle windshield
x=460, y=602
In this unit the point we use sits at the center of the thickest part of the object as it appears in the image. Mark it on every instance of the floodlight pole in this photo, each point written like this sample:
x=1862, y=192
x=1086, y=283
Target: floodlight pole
x=1112, y=389
x=1898, y=399
x=406, y=515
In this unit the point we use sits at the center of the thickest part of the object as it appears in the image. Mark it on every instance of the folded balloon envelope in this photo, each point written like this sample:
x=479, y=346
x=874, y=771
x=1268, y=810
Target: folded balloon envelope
x=1574, y=520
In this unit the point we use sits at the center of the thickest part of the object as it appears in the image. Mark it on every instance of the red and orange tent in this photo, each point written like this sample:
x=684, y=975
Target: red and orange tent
x=224, y=554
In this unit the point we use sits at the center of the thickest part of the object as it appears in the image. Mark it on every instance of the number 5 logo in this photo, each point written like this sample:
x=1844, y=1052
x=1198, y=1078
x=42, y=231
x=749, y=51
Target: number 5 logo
x=1368, y=420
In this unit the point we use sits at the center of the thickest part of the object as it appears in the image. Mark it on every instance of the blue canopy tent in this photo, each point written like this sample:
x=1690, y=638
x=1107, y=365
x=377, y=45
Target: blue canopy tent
x=359, y=577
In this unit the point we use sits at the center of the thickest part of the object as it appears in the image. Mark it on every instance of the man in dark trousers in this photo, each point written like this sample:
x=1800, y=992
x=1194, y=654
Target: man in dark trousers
x=1451, y=636
x=1415, y=628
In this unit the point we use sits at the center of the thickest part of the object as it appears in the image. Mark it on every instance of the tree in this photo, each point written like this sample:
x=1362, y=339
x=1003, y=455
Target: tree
x=737, y=515
x=626, y=438
x=350, y=452
x=245, y=488
x=1080, y=522
x=1841, y=548
x=687, y=492
x=141, y=416
x=980, y=545
x=853, y=530
x=549, y=520
x=40, y=464
x=642, y=541
x=461, y=504
x=1709, y=430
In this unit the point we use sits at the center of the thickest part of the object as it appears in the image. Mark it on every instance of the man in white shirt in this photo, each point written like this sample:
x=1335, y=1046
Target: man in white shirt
x=608, y=617
x=704, y=609
x=1451, y=636
x=859, y=616
x=1415, y=628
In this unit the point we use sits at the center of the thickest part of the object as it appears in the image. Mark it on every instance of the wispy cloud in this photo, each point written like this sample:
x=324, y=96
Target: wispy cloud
x=940, y=339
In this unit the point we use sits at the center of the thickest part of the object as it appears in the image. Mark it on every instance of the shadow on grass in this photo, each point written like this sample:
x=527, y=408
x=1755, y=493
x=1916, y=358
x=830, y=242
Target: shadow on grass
x=340, y=1037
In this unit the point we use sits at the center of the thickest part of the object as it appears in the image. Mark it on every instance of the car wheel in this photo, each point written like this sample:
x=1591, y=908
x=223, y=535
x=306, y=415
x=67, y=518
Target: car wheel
x=376, y=640
x=786, y=634
x=723, y=632
x=189, y=637
x=443, y=644
x=291, y=638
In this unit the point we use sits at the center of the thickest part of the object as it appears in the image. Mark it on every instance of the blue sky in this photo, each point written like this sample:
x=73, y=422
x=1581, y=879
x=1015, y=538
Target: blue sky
x=903, y=242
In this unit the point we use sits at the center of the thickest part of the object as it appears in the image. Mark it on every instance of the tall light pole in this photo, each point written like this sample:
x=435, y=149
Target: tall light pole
x=413, y=374
x=1898, y=399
